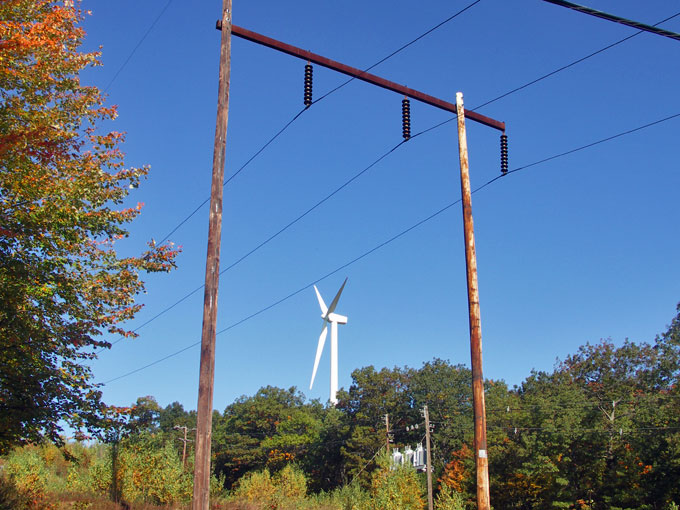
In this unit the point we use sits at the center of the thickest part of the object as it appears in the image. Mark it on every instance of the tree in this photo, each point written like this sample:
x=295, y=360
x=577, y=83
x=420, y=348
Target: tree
x=269, y=429
x=371, y=395
x=63, y=190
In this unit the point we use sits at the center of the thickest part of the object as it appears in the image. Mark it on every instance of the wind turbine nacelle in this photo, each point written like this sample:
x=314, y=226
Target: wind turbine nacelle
x=334, y=317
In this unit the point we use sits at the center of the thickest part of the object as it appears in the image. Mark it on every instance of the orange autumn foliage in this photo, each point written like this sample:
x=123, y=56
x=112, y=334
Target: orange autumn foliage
x=63, y=183
x=456, y=473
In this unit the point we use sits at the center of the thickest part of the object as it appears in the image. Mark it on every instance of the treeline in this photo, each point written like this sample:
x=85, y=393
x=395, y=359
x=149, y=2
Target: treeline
x=601, y=431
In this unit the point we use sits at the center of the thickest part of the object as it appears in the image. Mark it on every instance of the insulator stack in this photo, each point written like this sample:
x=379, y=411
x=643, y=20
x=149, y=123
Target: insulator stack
x=406, y=118
x=504, y=153
x=308, y=85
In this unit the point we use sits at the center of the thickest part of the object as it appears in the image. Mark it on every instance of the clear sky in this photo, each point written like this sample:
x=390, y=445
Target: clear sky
x=573, y=250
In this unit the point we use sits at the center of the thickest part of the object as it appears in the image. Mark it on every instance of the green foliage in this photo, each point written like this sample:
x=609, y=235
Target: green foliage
x=285, y=490
x=63, y=187
x=599, y=432
x=449, y=499
x=90, y=474
x=396, y=488
x=10, y=497
x=271, y=429
x=350, y=497
x=152, y=473
x=28, y=473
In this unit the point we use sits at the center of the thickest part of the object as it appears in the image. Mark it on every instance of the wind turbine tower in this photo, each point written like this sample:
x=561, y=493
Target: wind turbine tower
x=332, y=319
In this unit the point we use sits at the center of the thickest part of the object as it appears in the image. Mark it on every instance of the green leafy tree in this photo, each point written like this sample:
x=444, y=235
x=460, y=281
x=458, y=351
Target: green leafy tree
x=174, y=415
x=598, y=432
x=271, y=428
x=371, y=395
x=323, y=461
x=63, y=188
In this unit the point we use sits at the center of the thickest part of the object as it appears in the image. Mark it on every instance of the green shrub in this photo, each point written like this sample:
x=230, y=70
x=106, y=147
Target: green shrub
x=146, y=474
x=449, y=499
x=396, y=488
x=10, y=497
x=285, y=490
x=351, y=497
x=26, y=470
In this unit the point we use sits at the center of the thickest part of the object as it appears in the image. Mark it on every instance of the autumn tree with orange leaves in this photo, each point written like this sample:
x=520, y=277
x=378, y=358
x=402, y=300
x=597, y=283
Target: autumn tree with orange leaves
x=63, y=184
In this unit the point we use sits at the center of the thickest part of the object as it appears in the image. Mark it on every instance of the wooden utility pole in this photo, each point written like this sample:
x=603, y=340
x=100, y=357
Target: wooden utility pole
x=428, y=444
x=201, y=499
x=479, y=408
x=185, y=441
x=387, y=433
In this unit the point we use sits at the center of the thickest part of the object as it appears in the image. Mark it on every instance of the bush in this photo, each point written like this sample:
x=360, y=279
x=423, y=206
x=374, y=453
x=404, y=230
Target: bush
x=146, y=474
x=26, y=471
x=449, y=499
x=287, y=489
x=350, y=497
x=10, y=497
x=396, y=489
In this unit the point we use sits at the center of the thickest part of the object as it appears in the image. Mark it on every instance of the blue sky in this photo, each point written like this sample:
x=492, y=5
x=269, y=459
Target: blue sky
x=570, y=251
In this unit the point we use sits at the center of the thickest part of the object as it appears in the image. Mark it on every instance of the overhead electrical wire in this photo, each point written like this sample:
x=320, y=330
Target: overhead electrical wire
x=266, y=144
x=394, y=238
x=616, y=19
x=383, y=156
x=454, y=16
x=297, y=115
x=241, y=168
x=571, y=64
x=139, y=43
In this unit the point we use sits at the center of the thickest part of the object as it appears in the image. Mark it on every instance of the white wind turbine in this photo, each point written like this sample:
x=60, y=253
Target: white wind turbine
x=333, y=319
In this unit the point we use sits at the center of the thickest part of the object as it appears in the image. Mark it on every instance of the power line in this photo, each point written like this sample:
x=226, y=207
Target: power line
x=296, y=116
x=393, y=238
x=582, y=147
x=616, y=19
x=454, y=16
x=624, y=430
x=139, y=43
x=228, y=180
x=266, y=144
x=571, y=64
x=275, y=235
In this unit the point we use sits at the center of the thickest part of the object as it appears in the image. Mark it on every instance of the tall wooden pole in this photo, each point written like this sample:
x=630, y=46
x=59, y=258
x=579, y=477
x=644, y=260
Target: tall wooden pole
x=201, y=499
x=428, y=443
x=481, y=459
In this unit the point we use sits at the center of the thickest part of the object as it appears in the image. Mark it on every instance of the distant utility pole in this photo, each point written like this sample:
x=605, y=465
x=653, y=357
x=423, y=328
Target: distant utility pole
x=185, y=441
x=479, y=408
x=201, y=497
x=387, y=433
x=475, y=331
x=428, y=443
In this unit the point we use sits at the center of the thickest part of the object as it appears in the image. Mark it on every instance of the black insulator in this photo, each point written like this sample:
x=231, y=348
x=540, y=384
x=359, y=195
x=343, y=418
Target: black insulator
x=504, y=153
x=406, y=119
x=308, y=84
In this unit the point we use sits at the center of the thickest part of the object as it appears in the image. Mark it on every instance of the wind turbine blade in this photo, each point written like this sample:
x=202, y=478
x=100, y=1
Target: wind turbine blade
x=334, y=303
x=322, y=305
x=319, y=350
